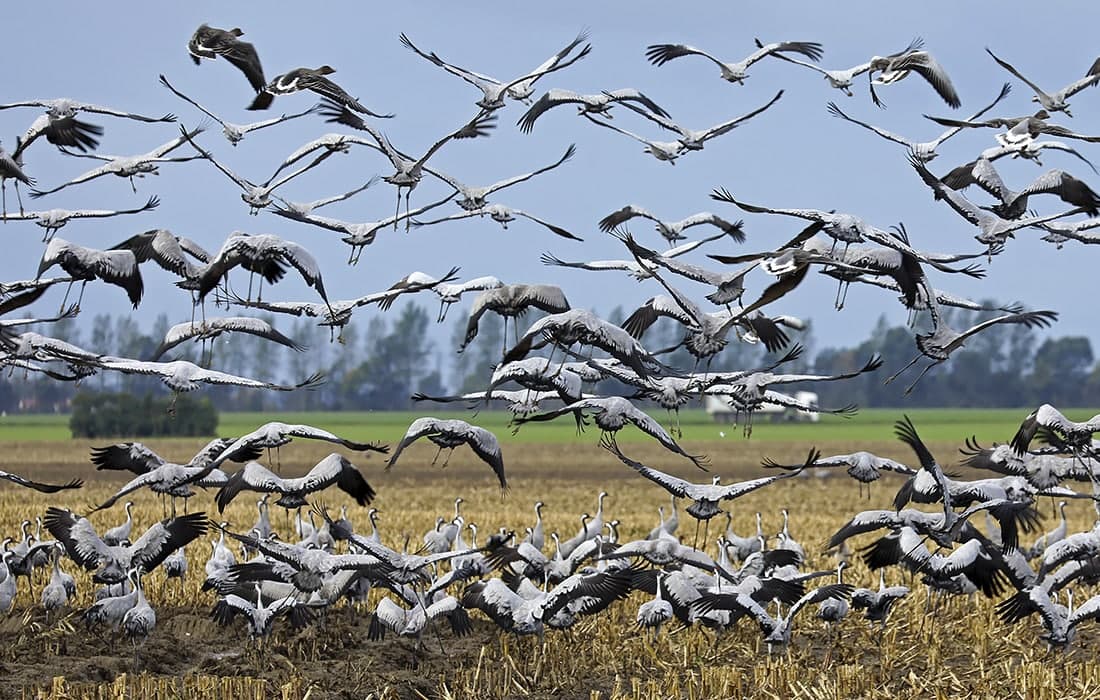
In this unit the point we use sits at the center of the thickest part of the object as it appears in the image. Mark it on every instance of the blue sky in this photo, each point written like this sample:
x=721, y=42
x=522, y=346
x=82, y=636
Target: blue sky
x=795, y=155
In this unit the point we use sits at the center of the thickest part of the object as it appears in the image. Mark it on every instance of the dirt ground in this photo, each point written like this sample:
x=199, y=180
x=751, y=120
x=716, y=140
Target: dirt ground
x=188, y=655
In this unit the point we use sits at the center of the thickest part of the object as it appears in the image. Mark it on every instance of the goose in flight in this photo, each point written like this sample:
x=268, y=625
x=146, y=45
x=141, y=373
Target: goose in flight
x=494, y=91
x=334, y=469
x=842, y=79
x=588, y=105
x=1033, y=150
x=673, y=231
x=210, y=42
x=52, y=220
x=449, y=434
x=234, y=133
x=611, y=414
x=309, y=79
x=1051, y=102
x=210, y=329
x=692, y=139
x=128, y=166
x=893, y=68
x=117, y=267
x=925, y=150
x=735, y=72
x=1019, y=131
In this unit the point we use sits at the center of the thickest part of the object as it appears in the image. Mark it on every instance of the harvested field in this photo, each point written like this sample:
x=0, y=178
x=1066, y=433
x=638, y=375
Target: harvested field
x=961, y=648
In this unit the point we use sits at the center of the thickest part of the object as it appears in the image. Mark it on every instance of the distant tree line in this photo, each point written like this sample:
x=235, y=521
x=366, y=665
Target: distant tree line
x=379, y=364
x=1003, y=366
x=98, y=414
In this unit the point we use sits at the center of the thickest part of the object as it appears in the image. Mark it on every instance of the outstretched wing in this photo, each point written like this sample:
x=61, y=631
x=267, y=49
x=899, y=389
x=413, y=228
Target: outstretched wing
x=39, y=486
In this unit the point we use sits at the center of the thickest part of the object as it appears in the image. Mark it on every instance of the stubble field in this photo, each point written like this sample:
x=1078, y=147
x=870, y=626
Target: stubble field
x=957, y=648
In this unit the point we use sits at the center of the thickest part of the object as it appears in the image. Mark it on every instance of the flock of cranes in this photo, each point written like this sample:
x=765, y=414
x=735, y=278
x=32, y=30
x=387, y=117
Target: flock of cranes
x=320, y=561
x=509, y=577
